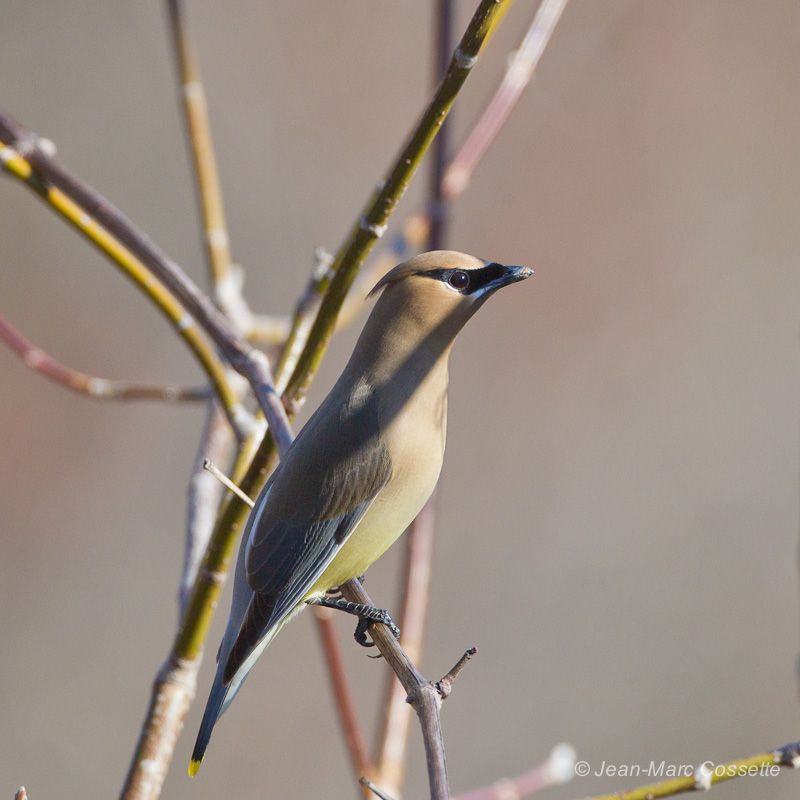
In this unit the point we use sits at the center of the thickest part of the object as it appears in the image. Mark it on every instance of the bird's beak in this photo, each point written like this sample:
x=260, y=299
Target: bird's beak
x=515, y=274
x=508, y=275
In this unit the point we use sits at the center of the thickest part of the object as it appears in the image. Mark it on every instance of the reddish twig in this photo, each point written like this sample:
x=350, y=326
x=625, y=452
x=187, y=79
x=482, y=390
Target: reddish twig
x=559, y=768
x=98, y=388
x=345, y=707
x=393, y=741
x=518, y=74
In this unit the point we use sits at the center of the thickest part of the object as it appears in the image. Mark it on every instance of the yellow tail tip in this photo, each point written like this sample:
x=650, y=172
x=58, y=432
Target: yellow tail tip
x=194, y=766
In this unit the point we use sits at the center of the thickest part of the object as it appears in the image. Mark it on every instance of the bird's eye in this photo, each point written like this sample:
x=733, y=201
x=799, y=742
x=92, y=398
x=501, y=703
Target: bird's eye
x=459, y=280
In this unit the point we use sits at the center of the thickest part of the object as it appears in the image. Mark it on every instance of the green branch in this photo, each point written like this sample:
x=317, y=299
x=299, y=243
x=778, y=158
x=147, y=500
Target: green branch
x=709, y=774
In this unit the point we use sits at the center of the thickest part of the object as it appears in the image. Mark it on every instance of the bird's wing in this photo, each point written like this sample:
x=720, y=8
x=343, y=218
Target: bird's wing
x=321, y=491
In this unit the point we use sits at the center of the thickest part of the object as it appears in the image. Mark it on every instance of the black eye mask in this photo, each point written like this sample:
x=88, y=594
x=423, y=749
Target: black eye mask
x=478, y=278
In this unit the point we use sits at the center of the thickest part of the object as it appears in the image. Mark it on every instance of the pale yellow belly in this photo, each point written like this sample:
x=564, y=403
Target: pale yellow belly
x=390, y=514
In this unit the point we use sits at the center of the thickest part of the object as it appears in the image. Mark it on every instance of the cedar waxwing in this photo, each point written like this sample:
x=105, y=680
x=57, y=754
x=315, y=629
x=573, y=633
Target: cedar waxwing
x=359, y=471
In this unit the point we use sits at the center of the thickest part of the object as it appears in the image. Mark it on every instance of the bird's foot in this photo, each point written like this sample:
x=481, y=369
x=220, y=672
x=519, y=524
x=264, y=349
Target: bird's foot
x=367, y=615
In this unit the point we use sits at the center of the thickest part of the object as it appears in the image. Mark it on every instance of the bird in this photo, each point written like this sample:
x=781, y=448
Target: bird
x=361, y=468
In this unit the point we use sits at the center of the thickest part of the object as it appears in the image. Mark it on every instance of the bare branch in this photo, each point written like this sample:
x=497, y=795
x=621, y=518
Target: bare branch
x=518, y=74
x=559, y=768
x=203, y=497
x=226, y=278
x=15, y=164
x=97, y=388
x=244, y=358
x=345, y=707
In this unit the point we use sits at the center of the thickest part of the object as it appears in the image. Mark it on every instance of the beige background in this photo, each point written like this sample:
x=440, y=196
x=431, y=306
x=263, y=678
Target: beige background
x=619, y=505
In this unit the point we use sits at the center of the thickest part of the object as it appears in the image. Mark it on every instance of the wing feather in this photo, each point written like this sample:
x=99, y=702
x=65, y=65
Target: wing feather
x=320, y=492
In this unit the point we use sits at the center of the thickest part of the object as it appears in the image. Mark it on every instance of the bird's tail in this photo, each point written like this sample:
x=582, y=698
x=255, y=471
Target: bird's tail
x=222, y=694
x=214, y=709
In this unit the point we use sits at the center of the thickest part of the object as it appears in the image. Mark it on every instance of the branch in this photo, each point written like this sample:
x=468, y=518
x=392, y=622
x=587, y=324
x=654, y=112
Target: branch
x=18, y=166
x=245, y=359
x=708, y=774
x=518, y=74
x=226, y=278
x=424, y=696
x=204, y=496
x=97, y=388
x=345, y=707
x=558, y=769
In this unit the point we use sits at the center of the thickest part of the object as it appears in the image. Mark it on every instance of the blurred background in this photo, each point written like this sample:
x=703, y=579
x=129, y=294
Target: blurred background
x=618, y=514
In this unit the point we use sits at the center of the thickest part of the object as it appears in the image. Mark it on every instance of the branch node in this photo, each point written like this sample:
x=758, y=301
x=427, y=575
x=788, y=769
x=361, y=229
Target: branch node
x=702, y=777
x=445, y=685
x=368, y=784
x=464, y=60
x=372, y=228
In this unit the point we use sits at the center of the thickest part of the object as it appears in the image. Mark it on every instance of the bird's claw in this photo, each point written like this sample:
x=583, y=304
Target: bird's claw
x=365, y=621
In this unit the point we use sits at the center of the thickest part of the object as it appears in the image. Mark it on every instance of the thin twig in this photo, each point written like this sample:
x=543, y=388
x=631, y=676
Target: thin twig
x=242, y=356
x=97, y=388
x=203, y=497
x=708, y=774
x=225, y=481
x=378, y=792
x=558, y=769
x=518, y=74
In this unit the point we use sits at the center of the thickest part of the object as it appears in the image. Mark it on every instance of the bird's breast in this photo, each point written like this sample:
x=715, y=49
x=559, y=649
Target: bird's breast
x=415, y=443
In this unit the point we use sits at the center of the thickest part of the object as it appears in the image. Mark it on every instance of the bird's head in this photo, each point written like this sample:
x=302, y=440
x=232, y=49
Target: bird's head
x=444, y=284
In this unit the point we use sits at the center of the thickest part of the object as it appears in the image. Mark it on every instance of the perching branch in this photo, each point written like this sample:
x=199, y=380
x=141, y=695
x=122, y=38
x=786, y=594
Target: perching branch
x=424, y=696
x=708, y=774
x=245, y=359
x=97, y=388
